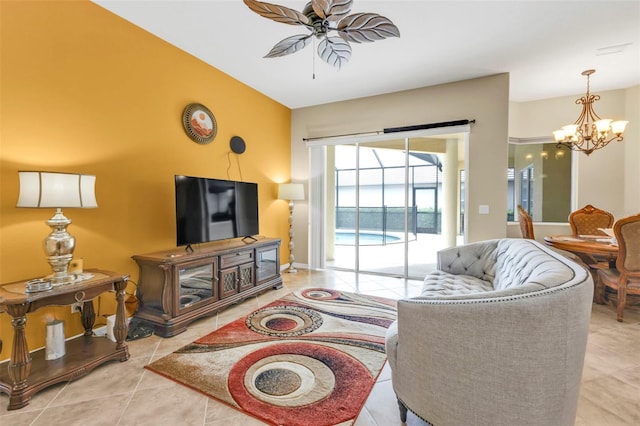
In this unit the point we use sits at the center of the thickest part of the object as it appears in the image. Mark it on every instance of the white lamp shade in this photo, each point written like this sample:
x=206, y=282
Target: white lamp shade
x=617, y=127
x=570, y=130
x=291, y=191
x=559, y=135
x=88, y=191
x=45, y=189
x=603, y=125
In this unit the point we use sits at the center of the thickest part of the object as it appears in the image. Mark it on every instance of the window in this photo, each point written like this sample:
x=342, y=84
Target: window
x=526, y=189
x=539, y=180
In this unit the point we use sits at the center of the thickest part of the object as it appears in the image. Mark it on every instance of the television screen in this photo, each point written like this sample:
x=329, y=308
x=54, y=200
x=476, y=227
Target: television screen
x=214, y=209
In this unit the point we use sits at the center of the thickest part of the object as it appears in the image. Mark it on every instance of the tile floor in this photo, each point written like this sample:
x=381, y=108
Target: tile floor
x=127, y=394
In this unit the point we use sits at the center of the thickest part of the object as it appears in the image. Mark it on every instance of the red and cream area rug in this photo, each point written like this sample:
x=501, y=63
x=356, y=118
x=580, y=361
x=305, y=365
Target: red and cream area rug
x=310, y=358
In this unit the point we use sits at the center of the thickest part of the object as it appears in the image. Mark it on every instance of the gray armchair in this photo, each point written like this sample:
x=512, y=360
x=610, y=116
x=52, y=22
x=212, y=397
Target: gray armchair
x=498, y=337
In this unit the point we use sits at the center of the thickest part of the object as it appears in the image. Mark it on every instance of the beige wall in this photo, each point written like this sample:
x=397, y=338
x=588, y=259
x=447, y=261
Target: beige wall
x=608, y=178
x=632, y=152
x=483, y=99
x=605, y=178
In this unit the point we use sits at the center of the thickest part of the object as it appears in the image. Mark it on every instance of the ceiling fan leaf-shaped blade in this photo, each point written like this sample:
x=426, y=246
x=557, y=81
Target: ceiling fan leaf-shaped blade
x=366, y=27
x=289, y=45
x=334, y=51
x=331, y=9
x=277, y=13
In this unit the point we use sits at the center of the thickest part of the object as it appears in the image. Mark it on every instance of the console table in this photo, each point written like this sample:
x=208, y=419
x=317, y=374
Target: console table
x=27, y=373
x=176, y=287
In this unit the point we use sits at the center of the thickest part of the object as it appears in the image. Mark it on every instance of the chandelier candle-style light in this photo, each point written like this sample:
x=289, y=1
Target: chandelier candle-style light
x=321, y=17
x=589, y=132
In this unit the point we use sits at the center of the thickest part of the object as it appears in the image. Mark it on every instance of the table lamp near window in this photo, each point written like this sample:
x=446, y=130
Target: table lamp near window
x=292, y=192
x=57, y=190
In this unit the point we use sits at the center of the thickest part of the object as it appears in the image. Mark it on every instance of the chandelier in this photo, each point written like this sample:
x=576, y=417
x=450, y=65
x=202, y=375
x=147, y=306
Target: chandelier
x=589, y=132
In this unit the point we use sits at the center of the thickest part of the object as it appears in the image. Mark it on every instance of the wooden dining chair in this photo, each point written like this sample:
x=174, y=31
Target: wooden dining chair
x=625, y=278
x=588, y=219
x=526, y=224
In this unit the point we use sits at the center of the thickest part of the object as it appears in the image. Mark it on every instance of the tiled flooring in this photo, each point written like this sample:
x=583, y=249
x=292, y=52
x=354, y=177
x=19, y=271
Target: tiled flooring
x=127, y=394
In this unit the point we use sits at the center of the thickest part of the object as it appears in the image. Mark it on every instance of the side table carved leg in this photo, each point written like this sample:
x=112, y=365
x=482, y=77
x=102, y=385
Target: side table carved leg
x=88, y=317
x=20, y=363
x=120, y=327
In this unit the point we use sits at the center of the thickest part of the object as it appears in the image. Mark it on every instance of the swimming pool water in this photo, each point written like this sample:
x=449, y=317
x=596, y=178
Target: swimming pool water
x=346, y=238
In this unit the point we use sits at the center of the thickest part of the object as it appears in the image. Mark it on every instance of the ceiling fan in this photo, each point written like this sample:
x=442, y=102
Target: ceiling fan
x=322, y=17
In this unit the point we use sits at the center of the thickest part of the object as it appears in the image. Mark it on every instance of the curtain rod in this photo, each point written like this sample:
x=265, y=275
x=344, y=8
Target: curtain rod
x=428, y=126
x=396, y=130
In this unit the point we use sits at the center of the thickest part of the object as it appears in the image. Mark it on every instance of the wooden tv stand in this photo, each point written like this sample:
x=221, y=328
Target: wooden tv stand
x=177, y=287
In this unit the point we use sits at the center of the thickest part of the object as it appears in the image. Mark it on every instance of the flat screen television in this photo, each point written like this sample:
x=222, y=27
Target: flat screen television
x=214, y=209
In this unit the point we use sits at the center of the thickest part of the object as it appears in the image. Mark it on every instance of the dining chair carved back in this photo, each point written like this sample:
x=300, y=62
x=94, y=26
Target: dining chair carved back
x=526, y=223
x=625, y=278
x=588, y=219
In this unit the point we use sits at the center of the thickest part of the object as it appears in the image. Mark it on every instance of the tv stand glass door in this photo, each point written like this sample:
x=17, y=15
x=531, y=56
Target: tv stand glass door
x=198, y=283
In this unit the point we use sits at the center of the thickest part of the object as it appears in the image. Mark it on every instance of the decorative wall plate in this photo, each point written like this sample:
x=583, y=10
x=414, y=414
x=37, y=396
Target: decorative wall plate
x=199, y=123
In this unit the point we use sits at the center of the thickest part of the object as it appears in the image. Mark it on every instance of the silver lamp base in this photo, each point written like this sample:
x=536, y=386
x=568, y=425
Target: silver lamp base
x=59, y=246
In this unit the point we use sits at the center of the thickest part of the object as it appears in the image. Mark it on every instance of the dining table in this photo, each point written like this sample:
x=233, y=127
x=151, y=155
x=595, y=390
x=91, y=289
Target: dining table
x=602, y=246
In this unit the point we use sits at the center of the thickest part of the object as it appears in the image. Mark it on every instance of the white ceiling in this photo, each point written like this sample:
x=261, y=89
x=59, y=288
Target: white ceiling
x=544, y=45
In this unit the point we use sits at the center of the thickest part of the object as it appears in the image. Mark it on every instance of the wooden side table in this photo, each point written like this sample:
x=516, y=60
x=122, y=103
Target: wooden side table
x=27, y=373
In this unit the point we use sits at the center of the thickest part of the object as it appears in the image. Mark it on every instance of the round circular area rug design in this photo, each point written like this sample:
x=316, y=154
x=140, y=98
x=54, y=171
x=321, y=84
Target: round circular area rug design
x=295, y=381
x=321, y=294
x=289, y=380
x=284, y=321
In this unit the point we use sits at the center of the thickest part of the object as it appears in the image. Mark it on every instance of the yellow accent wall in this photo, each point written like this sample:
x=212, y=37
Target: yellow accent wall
x=85, y=91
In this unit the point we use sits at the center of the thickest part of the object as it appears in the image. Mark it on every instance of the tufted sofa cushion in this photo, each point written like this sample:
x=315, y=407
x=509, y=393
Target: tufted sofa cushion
x=508, y=266
x=476, y=260
x=520, y=262
x=439, y=283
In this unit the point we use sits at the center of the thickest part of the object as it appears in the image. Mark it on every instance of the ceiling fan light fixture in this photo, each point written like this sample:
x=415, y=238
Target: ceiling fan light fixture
x=321, y=17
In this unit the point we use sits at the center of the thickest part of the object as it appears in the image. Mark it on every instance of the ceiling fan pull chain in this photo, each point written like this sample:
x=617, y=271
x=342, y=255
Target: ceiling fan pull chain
x=314, y=58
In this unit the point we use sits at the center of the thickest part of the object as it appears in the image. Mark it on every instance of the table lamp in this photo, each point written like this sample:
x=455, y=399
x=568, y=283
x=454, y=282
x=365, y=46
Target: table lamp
x=57, y=190
x=292, y=192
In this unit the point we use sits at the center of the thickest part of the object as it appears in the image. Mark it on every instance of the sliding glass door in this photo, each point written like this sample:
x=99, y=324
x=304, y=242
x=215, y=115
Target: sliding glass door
x=384, y=206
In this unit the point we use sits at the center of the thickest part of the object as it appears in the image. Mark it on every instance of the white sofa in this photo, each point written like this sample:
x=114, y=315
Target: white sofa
x=498, y=337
